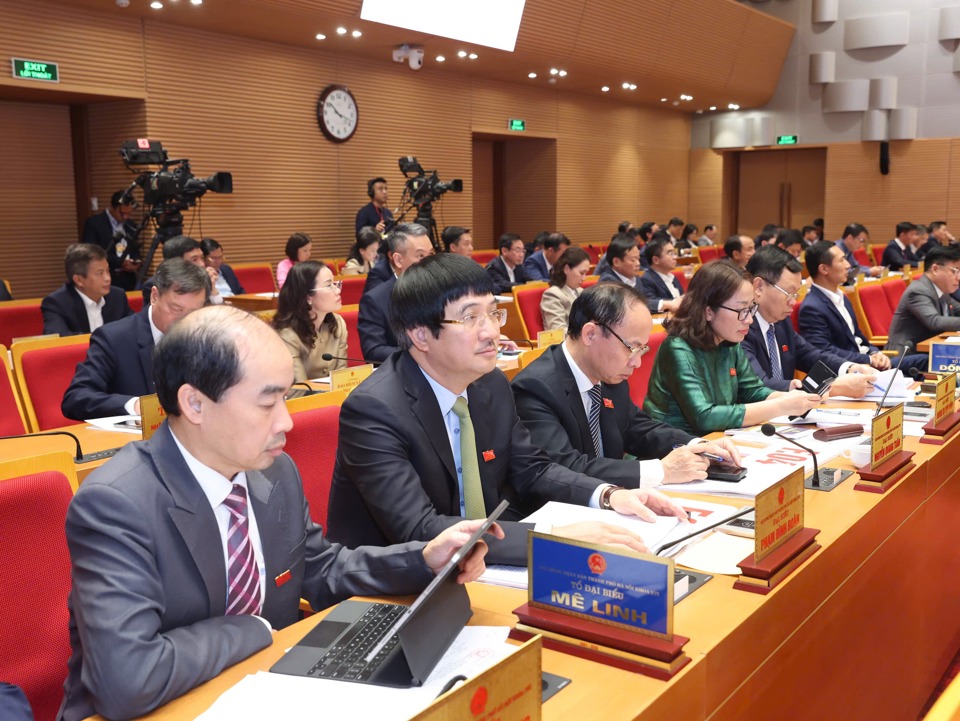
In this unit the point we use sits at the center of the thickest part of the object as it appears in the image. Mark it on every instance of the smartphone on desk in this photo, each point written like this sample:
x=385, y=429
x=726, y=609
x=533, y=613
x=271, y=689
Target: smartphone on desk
x=729, y=472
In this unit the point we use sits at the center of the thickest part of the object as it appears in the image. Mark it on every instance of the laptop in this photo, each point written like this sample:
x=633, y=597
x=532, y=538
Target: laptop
x=388, y=644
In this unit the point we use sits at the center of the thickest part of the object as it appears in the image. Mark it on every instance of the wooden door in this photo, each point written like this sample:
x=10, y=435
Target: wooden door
x=785, y=187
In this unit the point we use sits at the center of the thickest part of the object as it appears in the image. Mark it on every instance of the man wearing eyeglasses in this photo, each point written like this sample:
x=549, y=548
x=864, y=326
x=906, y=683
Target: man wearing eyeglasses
x=433, y=436
x=926, y=308
x=576, y=404
x=773, y=348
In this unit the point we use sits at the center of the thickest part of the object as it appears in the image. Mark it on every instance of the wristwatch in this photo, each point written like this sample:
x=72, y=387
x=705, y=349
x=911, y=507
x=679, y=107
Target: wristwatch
x=605, y=496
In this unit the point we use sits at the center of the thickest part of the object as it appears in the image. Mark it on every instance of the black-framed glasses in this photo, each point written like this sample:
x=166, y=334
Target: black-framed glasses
x=635, y=350
x=744, y=314
x=471, y=321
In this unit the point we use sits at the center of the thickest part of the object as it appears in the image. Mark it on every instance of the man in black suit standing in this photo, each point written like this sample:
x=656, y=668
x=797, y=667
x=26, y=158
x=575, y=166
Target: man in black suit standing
x=506, y=270
x=901, y=251
x=775, y=351
x=87, y=300
x=584, y=378
x=113, y=231
x=213, y=257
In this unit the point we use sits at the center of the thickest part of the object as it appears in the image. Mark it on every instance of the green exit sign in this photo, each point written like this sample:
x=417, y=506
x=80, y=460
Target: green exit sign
x=788, y=139
x=516, y=124
x=35, y=70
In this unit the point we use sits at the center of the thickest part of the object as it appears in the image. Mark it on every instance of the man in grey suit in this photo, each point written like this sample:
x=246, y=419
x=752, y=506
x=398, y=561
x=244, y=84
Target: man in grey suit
x=154, y=605
x=926, y=308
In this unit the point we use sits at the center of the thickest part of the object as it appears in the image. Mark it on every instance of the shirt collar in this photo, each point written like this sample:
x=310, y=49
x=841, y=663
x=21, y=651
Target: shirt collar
x=667, y=278
x=584, y=384
x=157, y=334
x=88, y=302
x=762, y=324
x=445, y=398
x=632, y=282
x=215, y=486
x=835, y=298
x=900, y=245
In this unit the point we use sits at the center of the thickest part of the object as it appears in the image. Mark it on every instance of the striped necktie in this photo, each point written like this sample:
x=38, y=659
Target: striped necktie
x=596, y=401
x=243, y=576
x=776, y=371
x=470, y=466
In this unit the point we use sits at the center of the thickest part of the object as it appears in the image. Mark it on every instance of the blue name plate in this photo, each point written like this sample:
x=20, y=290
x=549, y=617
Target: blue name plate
x=612, y=587
x=944, y=357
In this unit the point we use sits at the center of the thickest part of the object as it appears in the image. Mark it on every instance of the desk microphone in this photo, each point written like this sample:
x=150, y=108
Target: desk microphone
x=79, y=457
x=919, y=375
x=768, y=429
x=521, y=340
x=903, y=352
x=310, y=389
x=330, y=357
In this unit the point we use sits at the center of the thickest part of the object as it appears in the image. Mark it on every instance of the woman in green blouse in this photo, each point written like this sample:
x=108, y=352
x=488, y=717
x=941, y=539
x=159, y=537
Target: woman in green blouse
x=701, y=380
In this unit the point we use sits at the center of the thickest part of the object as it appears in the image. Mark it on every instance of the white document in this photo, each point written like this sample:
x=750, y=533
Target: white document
x=717, y=553
x=117, y=424
x=897, y=383
x=267, y=695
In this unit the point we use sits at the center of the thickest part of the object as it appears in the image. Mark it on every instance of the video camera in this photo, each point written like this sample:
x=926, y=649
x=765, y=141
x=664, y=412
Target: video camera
x=423, y=189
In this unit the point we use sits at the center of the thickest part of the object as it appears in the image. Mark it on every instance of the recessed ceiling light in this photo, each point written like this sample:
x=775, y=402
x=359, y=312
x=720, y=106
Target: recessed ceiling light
x=663, y=100
x=713, y=107
x=633, y=86
x=196, y=2
x=605, y=89
x=733, y=106
x=321, y=36
x=440, y=58
x=531, y=75
x=472, y=56
x=554, y=71
x=462, y=54
x=341, y=31
x=562, y=73
x=156, y=5
x=356, y=33
x=625, y=86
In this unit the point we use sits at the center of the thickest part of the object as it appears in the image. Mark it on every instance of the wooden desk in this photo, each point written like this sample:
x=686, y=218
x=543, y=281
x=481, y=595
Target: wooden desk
x=253, y=302
x=863, y=630
x=91, y=439
x=924, y=345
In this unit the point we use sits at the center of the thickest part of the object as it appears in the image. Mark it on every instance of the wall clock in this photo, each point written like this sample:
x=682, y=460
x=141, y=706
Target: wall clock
x=337, y=113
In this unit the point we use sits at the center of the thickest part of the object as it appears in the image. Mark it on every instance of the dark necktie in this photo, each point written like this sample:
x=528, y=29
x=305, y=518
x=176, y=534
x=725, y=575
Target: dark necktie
x=594, y=420
x=776, y=371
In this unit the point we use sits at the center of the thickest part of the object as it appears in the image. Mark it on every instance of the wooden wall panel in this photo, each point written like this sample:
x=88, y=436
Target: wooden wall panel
x=482, y=189
x=530, y=188
x=492, y=104
x=109, y=125
x=37, y=212
x=706, y=189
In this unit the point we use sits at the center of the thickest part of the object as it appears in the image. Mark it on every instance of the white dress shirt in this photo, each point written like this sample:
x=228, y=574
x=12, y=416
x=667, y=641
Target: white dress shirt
x=94, y=309
x=837, y=300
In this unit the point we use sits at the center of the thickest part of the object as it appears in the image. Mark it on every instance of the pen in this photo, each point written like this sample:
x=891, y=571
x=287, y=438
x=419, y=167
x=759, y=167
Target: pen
x=709, y=456
x=742, y=512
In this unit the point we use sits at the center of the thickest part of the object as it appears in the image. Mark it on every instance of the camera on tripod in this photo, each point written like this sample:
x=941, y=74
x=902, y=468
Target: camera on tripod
x=420, y=191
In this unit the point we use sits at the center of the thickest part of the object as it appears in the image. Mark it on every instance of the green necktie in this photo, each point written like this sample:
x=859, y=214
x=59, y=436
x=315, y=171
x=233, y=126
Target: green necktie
x=472, y=491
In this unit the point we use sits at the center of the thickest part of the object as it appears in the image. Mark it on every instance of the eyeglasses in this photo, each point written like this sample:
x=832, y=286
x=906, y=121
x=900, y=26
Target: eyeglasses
x=338, y=284
x=790, y=296
x=635, y=350
x=743, y=314
x=471, y=321
x=954, y=269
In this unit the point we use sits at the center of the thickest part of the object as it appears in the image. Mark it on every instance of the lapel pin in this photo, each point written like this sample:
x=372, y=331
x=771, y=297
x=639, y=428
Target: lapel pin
x=489, y=456
x=282, y=578
x=607, y=403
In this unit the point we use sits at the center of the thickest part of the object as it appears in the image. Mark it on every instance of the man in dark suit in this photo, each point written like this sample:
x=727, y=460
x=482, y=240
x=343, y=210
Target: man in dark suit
x=855, y=236
x=926, y=308
x=118, y=368
x=538, y=265
x=433, y=435
x=87, y=300
x=938, y=234
x=113, y=231
x=183, y=246
x=774, y=350
x=901, y=251
x=506, y=270
x=623, y=266
x=739, y=249
x=556, y=396
x=158, y=604
x=659, y=284
x=4, y=293
x=408, y=244
x=226, y=281
x=375, y=214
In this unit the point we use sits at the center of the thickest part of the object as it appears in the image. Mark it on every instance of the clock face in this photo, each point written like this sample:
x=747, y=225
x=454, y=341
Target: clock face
x=337, y=113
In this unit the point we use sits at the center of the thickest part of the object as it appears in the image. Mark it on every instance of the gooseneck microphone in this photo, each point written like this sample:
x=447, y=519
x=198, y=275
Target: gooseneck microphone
x=903, y=352
x=310, y=389
x=79, y=457
x=768, y=429
x=330, y=357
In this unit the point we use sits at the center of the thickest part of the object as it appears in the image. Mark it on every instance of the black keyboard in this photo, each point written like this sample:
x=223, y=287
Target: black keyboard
x=347, y=659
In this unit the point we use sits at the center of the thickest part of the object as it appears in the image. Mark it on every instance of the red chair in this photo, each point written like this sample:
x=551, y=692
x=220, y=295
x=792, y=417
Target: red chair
x=590, y=280
x=35, y=568
x=681, y=275
x=19, y=319
x=13, y=422
x=710, y=252
x=135, y=299
x=594, y=254
x=352, y=288
x=876, y=313
x=893, y=288
x=528, y=303
x=862, y=257
x=484, y=256
x=349, y=315
x=44, y=369
x=641, y=376
x=312, y=444
x=875, y=252
x=795, y=316
x=255, y=277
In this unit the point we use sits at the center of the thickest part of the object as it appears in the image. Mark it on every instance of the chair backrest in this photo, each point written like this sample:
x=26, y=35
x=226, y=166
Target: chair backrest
x=352, y=288
x=863, y=258
x=35, y=573
x=484, y=256
x=594, y=253
x=312, y=444
x=876, y=309
x=681, y=275
x=13, y=421
x=529, y=356
x=255, y=277
x=710, y=252
x=641, y=376
x=875, y=251
x=590, y=280
x=893, y=288
x=19, y=319
x=349, y=315
x=44, y=369
x=335, y=264
x=795, y=316
x=135, y=299
x=528, y=303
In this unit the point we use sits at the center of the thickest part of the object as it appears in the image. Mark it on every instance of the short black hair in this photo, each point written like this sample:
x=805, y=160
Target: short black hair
x=422, y=292
x=507, y=240
x=604, y=304
x=789, y=237
x=116, y=200
x=733, y=244
x=905, y=227
x=709, y=226
x=770, y=228
x=674, y=221
x=818, y=222
x=769, y=262
x=921, y=228
x=765, y=236
x=655, y=247
x=76, y=261
x=854, y=229
x=646, y=229
x=807, y=229
x=208, y=245
x=941, y=255
x=553, y=241
x=619, y=247
x=624, y=226
x=179, y=246
x=452, y=234
x=294, y=243
x=936, y=225
x=204, y=355
x=817, y=254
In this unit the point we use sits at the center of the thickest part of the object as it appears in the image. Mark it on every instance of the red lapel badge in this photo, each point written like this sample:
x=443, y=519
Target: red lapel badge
x=607, y=403
x=733, y=372
x=489, y=456
x=784, y=348
x=282, y=578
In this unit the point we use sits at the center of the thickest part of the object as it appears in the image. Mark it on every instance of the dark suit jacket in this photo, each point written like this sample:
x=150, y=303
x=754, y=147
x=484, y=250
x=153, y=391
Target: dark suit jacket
x=4, y=293
x=895, y=259
x=98, y=230
x=231, y=278
x=380, y=273
x=368, y=216
x=550, y=406
x=394, y=479
x=147, y=603
x=377, y=341
x=823, y=327
x=118, y=367
x=795, y=354
x=919, y=315
x=535, y=267
x=64, y=312
x=654, y=288
x=497, y=271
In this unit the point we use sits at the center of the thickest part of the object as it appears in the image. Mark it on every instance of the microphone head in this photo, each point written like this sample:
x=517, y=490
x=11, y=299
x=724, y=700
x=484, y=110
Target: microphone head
x=915, y=373
x=908, y=346
x=768, y=429
x=327, y=356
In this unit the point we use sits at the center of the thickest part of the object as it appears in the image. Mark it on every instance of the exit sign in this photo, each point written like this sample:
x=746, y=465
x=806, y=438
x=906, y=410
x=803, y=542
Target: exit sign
x=516, y=124
x=788, y=139
x=35, y=70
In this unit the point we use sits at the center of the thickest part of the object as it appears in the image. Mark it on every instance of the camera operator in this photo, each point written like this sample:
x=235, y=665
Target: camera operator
x=113, y=231
x=375, y=213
